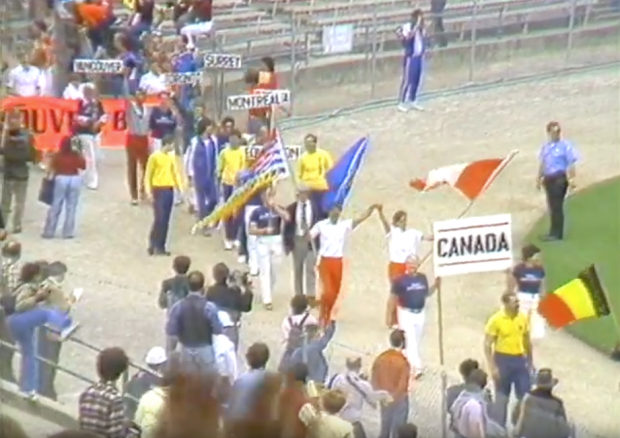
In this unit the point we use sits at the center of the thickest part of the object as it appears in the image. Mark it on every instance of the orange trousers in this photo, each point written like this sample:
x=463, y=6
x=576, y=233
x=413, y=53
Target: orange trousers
x=330, y=274
x=395, y=270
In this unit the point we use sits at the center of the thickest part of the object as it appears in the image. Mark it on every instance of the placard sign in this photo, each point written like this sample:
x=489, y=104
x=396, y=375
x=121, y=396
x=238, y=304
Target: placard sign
x=222, y=61
x=190, y=78
x=292, y=152
x=479, y=244
x=99, y=66
x=255, y=101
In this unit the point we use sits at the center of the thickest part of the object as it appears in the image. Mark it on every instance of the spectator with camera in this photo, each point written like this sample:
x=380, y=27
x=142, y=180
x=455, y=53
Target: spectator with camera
x=65, y=170
x=192, y=322
x=18, y=152
x=233, y=294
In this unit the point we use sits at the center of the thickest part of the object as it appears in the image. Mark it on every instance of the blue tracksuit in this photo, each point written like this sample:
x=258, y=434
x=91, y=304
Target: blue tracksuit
x=414, y=45
x=204, y=162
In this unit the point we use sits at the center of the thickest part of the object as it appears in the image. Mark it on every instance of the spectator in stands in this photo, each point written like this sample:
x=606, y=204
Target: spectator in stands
x=18, y=152
x=74, y=89
x=33, y=307
x=129, y=81
x=25, y=80
x=181, y=13
x=233, y=294
x=175, y=288
x=66, y=165
x=142, y=18
x=137, y=146
x=202, y=14
x=101, y=407
x=391, y=372
x=43, y=55
x=292, y=398
x=192, y=322
x=294, y=327
x=97, y=22
x=154, y=81
x=90, y=117
x=145, y=380
x=325, y=422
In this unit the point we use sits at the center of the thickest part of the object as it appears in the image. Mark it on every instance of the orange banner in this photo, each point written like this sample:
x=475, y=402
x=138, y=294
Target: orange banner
x=50, y=119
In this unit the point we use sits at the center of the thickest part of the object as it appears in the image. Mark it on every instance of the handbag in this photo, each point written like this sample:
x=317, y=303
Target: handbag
x=46, y=191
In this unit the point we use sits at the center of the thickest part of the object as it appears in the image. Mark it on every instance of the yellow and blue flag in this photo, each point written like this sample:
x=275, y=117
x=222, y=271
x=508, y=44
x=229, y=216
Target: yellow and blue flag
x=340, y=178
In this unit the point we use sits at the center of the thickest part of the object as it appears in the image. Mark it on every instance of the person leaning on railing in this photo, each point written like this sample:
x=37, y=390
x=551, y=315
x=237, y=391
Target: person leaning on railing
x=9, y=280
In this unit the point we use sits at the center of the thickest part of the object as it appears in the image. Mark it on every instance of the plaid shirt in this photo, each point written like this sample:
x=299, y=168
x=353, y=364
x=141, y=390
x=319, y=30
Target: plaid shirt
x=9, y=275
x=102, y=411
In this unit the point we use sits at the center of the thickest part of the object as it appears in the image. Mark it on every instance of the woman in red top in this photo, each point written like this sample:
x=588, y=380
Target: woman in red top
x=66, y=168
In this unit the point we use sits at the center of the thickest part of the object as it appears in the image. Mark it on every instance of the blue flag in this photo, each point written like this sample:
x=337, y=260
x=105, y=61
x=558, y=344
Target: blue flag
x=340, y=177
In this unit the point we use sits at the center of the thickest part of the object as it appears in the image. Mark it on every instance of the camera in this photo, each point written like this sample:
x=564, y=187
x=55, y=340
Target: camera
x=240, y=279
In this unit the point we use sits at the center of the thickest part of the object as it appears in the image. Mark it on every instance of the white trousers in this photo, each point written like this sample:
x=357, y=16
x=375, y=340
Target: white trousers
x=269, y=251
x=92, y=153
x=196, y=29
x=528, y=303
x=412, y=324
x=252, y=244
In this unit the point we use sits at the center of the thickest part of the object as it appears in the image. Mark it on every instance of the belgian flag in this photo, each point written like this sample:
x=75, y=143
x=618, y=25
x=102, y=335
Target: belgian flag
x=579, y=299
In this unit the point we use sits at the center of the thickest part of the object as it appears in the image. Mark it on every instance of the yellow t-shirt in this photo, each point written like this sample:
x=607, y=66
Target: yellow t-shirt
x=508, y=332
x=161, y=171
x=149, y=411
x=230, y=163
x=313, y=167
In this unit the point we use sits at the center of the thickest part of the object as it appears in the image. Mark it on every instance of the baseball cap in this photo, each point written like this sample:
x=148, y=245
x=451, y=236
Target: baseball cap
x=156, y=356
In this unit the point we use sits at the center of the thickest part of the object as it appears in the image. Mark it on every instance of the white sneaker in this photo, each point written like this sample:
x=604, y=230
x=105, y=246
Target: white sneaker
x=417, y=107
x=237, y=244
x=242, y=259
x=403, y=108
x=228, y=245
x=77, y=294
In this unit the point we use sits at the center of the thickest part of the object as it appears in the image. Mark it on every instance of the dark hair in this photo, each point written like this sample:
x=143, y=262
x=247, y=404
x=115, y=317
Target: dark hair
x=299, y=304
x=398, y=216
x=41, y=25
x=467, y=366
x=269, y=63
x=312, y=137
x=112, y=363
x=506, y=296
x=298, y=372
x=407, y=430
x=181, y=264
x=202, y=125
x=416, y=14
x=29, y=272
x=228, y=119
x=257, y=355
x=397, y=339
x=221, y=272
x=44, y=269
x=12, y=248
x=66, y=145
x=196, y=281
x=529, y=251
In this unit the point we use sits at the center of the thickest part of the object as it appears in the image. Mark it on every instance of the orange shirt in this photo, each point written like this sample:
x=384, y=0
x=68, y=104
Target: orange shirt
x=258, y=112
x=268, y=81
x=92, y=15
x=391, y=372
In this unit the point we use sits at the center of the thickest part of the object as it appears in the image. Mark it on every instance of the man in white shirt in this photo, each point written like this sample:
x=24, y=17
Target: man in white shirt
x=403, y=244
x=154, y=81
x=74, y=89
x=332, y=234
x=25, y=80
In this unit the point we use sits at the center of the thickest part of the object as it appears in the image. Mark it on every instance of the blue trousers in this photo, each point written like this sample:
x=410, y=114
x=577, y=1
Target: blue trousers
x=514, y=371
x=206, y=201
x=197, y=359
x=163, y=201
x=231, y=226
x=67, y=191
x=393, y=416
x=412, y=77
x=23, y=327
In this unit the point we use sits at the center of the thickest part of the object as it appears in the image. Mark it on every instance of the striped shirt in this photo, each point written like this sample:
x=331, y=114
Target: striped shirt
x=137, y=119
x=10, y=272
x=101, y=411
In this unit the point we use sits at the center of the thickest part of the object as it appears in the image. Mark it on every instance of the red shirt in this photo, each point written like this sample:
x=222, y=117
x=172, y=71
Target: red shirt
x=204, y=10
x=67, y=164
x=258, y=112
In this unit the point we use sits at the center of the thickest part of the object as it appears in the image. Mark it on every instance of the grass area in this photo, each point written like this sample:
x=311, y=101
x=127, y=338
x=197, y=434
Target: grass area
x=592, y=236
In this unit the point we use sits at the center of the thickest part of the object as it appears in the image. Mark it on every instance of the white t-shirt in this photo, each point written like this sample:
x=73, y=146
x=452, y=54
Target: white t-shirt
x=332, y=236
x=152, y=83
x=26, y=81
x=403, y=244
x=73, y=92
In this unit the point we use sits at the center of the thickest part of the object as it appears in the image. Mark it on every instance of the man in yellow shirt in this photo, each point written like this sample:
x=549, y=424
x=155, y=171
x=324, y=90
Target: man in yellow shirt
x=508, y=351
x=231, y=161
x=312, y=168
x=161, y=179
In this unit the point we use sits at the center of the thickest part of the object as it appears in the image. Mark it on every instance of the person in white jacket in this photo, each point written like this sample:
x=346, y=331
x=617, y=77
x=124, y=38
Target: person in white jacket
x=225, y=353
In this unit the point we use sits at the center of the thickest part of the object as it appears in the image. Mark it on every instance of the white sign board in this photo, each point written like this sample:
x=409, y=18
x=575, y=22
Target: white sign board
x=255, y=101
x=292, y=152
x=222, y=61
x=99, y=66
x=478, y=244
x=338, y=38
x=190, y=78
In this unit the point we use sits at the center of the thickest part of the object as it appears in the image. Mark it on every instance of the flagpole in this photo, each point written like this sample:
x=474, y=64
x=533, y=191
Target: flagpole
x=442, y=359
x=612, y=313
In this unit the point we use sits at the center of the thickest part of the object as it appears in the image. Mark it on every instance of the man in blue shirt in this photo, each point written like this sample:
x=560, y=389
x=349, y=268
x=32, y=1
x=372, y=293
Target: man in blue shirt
x=192, y=322
x=266, y=223
x=556, y=173
x=162, y=122
x=409, y=293
x=413, y=39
